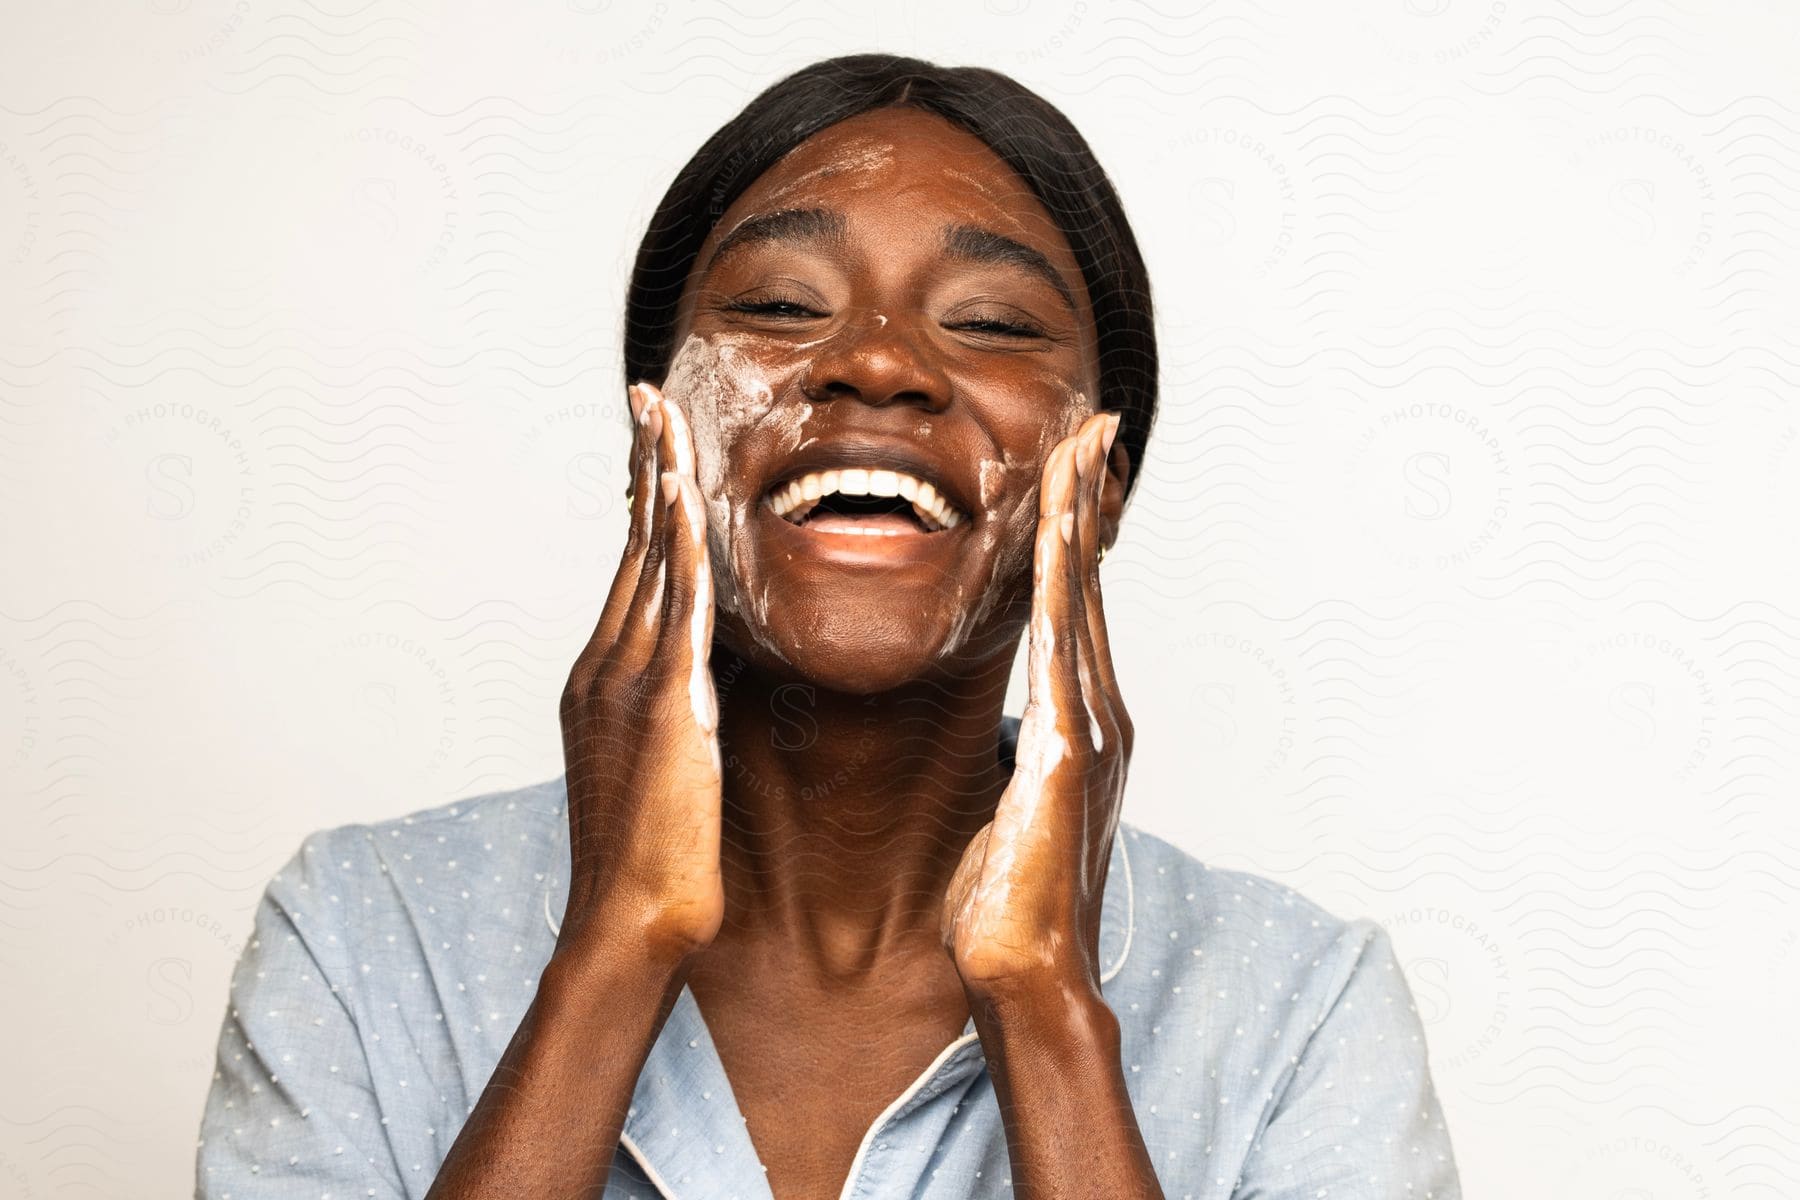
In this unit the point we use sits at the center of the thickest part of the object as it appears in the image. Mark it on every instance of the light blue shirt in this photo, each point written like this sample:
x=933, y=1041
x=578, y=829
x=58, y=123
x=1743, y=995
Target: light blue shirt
x=1271, y=1049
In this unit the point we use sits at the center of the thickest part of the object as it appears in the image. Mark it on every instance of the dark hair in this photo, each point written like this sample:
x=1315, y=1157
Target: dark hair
x=1024, y=129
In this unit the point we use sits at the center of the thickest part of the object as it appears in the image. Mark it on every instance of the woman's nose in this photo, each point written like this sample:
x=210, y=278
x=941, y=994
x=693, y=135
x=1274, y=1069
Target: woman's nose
x=877, y=358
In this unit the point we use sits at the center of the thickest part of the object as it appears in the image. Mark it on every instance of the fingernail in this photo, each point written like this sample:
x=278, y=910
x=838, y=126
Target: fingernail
x=637, y=403
x=671, y=486
x=1112, y=429
x=1068, y=527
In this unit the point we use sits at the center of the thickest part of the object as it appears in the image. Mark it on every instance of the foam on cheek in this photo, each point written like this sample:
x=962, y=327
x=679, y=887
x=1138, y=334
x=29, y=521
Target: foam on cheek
x=993, y=478
x=1006, y=524
x=1004, y=535
x=726, y=394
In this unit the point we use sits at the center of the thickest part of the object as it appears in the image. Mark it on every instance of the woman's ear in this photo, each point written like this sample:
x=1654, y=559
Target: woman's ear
x=1112, y=493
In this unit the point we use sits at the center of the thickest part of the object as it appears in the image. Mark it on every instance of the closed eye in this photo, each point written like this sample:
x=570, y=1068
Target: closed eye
x=1004, y=328
x=793, y=311
x=772, y=308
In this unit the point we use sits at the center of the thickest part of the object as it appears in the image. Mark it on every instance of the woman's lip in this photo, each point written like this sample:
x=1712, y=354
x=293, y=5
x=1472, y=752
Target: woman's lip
x=933, y=508
x=860, y=549
x=859, y=450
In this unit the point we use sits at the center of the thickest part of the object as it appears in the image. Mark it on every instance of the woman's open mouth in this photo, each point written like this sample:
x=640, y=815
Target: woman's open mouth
x=852, y=500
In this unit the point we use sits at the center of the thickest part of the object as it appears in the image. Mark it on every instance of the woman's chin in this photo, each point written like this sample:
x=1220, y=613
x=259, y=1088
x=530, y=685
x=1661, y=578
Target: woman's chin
x=852, y=649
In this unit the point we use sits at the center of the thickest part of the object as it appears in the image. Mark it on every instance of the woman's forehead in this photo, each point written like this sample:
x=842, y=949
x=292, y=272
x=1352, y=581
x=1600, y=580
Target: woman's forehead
x=916, y=161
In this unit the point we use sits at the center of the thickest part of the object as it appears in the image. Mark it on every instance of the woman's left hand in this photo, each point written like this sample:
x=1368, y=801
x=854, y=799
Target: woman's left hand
x=1022, y=911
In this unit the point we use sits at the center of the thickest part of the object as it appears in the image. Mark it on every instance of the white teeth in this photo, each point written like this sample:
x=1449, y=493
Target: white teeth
x=794, y=499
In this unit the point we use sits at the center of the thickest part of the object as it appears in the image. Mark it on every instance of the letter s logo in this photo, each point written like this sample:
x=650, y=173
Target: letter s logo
x=589, y=496
x=171, y=495
x=1633, y=201
x=1431, y=988
x=1427, y=475
x=171, y=1000
x=377, y=702
x=1215, y=210
x=376, y=198
x=1634, y=706
x=1215, y=705
x=794, y=726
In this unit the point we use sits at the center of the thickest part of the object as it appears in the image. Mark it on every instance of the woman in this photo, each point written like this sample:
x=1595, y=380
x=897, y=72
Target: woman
x=806, y=916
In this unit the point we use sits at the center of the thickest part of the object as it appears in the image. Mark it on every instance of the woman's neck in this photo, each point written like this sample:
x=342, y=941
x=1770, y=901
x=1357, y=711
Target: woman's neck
x=845, y=815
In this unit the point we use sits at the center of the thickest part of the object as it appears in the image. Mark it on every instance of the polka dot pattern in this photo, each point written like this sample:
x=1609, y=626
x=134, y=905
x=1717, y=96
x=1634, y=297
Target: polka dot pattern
x=1271, y=1049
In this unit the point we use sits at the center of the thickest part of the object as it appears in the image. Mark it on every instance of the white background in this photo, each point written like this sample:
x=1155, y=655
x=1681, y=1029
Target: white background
x=1460, y=590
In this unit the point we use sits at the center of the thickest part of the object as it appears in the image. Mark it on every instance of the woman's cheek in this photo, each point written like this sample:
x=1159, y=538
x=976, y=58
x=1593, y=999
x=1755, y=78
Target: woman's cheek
x=723, y=396
x=729, y=396
x=1006, y=526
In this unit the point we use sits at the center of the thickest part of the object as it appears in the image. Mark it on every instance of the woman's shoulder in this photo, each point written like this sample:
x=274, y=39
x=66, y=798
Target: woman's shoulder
x=1201, y=916
x=1301, y=1020
x=478, y=866
x=480, y=825
x=530, y=803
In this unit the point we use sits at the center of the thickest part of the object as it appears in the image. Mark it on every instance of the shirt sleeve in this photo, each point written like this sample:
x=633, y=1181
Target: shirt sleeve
x=1360, y=1118
x=292, y=1111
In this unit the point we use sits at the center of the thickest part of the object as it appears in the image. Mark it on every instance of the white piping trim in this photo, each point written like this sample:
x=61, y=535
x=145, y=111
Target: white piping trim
x=862, y=1149
x=912, y=1090
x=656, y=1181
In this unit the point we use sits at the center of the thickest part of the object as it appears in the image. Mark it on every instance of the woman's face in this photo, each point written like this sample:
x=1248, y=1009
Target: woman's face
x=888, y=309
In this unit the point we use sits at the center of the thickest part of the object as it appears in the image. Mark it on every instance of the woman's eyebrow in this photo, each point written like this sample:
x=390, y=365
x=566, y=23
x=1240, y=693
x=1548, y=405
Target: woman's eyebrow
x=784, y=225
x=971, y=243
x=965, y=243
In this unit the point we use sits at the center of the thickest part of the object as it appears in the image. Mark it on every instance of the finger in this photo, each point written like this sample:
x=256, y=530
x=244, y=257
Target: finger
x=685, y=641
x=646, y=427
x=684, y=646
x=637, y=535
x=685, y=544
x=1096, y=609
x=1053, y=665
x=1083, y=550
x=1085, y=542
x=638, y=632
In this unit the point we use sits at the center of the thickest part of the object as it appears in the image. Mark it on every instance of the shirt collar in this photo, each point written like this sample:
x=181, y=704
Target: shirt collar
x=684, y=1126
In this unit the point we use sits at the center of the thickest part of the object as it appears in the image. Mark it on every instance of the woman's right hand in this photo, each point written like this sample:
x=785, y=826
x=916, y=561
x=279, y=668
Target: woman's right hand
x=640, y=721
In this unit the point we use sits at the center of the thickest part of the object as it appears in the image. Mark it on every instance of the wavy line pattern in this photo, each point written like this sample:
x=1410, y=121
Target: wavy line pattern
x=1460, y=588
